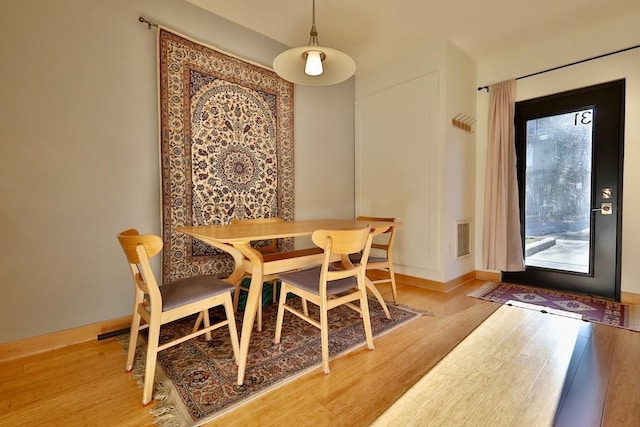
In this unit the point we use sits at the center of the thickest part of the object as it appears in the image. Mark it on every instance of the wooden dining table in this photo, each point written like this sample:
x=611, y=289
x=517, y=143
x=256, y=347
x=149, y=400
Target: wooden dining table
x=236, y=241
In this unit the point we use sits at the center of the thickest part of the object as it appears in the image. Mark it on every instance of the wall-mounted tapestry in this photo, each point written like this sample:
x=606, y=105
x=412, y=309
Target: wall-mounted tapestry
x=226, y=146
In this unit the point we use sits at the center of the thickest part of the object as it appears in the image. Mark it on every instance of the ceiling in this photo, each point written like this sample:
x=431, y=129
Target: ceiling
x=375, y=32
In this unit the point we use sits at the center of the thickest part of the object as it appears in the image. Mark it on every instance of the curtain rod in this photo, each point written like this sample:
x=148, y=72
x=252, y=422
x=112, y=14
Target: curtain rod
x=145, y=21
x=568, y=65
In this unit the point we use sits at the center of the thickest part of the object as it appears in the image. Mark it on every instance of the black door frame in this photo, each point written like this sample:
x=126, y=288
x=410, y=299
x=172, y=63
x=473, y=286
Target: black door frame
x=608, y=252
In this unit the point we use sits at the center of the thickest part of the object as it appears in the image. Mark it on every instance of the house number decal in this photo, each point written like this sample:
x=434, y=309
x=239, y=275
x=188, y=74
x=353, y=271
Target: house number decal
x=582, y=118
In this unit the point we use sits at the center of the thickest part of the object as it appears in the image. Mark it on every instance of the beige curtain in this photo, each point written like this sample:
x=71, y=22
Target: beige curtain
x=502, y=244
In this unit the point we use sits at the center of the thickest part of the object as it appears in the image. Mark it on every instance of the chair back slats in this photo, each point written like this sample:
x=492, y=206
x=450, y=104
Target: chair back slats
x=377, y=218
x=138, y=250
x=146, y=280
x=342, y=242
x=140, y=282
x=130, y=239
x=382, y=252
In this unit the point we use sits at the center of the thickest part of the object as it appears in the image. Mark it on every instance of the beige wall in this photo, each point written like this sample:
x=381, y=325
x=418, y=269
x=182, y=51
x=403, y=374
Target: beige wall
x=549, y=53
x=79, y=150
x=324, y=153
x=79, y=143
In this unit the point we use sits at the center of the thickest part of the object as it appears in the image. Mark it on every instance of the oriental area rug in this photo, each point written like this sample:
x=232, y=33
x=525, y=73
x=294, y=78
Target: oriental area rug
x=195, y=381
x=226, y=149
x=606, y=312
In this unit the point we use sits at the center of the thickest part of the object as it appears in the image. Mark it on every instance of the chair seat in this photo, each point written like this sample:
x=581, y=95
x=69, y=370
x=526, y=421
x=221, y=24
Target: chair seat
x=309, y=280
x=355, y=258
x=192, y=289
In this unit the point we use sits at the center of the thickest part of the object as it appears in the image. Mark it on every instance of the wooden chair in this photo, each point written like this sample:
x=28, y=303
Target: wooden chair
x=270, y=247
x=158, y=305
x=328, y=287
x=381, y=255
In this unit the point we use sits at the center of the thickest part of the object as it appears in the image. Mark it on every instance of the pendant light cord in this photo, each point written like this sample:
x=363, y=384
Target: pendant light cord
x=313, y=35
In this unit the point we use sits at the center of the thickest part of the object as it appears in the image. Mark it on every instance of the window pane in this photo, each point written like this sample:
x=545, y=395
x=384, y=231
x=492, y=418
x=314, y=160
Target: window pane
x=558, y=191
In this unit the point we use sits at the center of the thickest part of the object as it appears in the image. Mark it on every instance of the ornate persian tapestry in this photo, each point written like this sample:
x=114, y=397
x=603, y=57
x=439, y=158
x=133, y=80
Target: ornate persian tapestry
x=226, y=147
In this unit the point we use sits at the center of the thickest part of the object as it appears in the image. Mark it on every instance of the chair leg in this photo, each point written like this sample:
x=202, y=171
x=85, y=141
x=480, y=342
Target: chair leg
x=274, y=284
x=305, y=309
x=366, y=319
x=280, y=317
x=324, y=333
x=198, y=322
x=152, y=355
x=260, y=314
x=207, y=323
x=233, y=331
x=392, y=276
x=133, y=339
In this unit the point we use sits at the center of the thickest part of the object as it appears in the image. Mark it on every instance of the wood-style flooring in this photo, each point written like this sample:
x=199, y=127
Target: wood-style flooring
x=86, y=385
x=518, y=368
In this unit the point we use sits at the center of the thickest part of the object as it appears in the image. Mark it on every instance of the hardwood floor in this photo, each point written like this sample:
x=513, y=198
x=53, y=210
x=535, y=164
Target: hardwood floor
x=507, y=372
x=86, y=384
x=602, y=383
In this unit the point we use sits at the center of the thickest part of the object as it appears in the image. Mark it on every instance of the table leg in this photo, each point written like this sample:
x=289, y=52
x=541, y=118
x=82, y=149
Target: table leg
x=236, y=275
x=253, y=299
x=370, y=286
x=378, y=296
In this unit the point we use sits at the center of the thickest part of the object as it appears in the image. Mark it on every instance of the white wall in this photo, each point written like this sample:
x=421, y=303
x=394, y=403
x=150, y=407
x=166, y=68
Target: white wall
x=457, y=160
x=412, y=163
x=79, y=150
x=397, y=174
x=549, y=53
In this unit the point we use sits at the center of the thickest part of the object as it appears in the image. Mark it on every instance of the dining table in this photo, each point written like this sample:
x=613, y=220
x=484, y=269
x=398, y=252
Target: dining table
x=236, y=241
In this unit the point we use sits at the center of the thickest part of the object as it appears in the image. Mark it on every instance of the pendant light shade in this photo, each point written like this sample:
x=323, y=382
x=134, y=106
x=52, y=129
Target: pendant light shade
x=314, y=65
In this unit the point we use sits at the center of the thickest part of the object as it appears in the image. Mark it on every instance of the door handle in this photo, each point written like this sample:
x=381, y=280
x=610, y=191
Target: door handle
x=605, y=209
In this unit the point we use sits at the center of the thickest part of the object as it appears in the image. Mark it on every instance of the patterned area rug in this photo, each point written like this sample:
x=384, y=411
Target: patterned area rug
x=197, y=379
x=582, y=307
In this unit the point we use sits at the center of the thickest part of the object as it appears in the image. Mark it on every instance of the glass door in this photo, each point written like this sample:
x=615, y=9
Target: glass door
x=557, y=220
x=569, y=150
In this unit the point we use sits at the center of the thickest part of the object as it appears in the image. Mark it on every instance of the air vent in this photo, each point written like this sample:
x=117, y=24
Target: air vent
x=463, y=238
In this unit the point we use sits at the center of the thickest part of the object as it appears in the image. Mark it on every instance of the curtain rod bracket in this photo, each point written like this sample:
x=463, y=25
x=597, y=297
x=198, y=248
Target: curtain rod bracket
x=146, y=21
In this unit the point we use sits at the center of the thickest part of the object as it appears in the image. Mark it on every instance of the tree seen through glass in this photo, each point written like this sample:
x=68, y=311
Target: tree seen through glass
x=558, y=186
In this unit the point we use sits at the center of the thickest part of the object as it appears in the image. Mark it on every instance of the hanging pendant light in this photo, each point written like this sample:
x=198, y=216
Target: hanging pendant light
x=314, y=65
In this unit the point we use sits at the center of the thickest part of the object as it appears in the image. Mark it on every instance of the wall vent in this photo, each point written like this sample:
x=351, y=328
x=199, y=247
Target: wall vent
x=463, y=239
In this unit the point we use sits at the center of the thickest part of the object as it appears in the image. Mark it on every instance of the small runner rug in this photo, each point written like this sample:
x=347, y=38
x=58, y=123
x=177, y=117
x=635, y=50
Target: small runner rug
x=196, y=380
x=583, y=307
